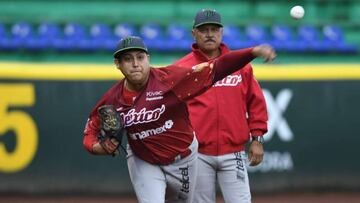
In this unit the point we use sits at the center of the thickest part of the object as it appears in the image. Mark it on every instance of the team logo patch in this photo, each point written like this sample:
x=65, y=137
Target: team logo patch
x=127, y=42
x=209, y=14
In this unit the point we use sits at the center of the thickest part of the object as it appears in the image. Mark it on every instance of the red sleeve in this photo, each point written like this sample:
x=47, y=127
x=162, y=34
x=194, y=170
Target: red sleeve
x=185, y=82
x=231, y=62
x=92, y=129
x=256, y=106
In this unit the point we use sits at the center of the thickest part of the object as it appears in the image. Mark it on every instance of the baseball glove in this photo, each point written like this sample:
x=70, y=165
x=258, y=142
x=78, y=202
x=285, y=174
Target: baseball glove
x=112, y=129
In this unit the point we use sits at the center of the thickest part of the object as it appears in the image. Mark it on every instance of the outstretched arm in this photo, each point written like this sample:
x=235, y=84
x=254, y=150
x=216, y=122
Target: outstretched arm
x=189, y=82
x=235, y=60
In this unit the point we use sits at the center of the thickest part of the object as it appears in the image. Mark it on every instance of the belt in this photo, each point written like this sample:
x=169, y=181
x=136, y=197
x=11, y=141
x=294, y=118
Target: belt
x=186, y=153
x=182, y=155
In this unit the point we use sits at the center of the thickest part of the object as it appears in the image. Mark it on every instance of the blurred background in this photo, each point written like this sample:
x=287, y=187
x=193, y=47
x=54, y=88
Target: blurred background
x=56, y=62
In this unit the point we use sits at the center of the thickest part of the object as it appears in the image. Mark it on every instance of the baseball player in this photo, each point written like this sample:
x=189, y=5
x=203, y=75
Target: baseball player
x=151, y=104
x=235, y=110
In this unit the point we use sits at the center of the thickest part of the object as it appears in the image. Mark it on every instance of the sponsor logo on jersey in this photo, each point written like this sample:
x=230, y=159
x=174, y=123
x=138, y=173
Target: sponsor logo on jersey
x=230, y=81
x=155, y=95
x=146, y=133
x=143, y=116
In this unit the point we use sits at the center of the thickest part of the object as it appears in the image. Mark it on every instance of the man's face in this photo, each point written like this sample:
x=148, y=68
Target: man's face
x=134, y=65
x=208, y=37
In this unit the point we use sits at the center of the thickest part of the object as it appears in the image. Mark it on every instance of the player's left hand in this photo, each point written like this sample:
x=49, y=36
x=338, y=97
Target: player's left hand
x=112, y=129
x=256, y=153
x=201, y=66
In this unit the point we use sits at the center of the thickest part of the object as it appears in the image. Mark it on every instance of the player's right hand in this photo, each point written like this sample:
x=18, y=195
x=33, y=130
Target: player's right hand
x=264, y=51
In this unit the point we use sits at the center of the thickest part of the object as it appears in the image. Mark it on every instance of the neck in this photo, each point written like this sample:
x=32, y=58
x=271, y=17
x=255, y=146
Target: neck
x=212, y=54
x=133, y=87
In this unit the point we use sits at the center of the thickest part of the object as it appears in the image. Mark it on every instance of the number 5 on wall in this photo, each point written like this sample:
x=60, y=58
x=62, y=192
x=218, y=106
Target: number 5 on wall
x=21, y=123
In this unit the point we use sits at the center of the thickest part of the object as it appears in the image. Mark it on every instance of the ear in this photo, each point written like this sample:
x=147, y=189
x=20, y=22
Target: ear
x=193, y=33
x=117, y=63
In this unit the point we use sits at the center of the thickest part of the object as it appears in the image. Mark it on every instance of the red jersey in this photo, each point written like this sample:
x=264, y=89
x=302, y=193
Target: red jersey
x=157, y=122
x=224, y=115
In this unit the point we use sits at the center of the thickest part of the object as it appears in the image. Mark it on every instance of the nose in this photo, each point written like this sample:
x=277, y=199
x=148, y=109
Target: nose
x=135, y=63
x=208, y=33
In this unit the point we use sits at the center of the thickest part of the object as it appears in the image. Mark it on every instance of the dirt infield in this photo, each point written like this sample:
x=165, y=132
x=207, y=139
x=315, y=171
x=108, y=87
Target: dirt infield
x=277, y=198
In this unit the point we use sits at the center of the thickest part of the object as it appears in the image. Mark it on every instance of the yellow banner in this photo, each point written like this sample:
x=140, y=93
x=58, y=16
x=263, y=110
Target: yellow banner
x=263, y=72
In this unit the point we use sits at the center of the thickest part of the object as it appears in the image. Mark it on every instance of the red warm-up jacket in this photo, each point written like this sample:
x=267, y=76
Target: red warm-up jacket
x=225, y=115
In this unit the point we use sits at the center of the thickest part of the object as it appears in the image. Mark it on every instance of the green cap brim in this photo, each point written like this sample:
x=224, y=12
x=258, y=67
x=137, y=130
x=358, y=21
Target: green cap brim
x=121, y=51
x=207, y=23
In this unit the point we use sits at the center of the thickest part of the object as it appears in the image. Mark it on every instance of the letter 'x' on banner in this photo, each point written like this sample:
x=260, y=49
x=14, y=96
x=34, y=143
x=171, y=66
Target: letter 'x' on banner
x=276, y=107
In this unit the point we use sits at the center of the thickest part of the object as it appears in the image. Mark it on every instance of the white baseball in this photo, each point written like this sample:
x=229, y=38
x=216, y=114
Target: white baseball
x=297, y=12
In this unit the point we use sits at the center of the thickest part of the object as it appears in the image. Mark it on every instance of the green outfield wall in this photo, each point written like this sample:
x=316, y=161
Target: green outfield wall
x=312, y=143
x=345, y=12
